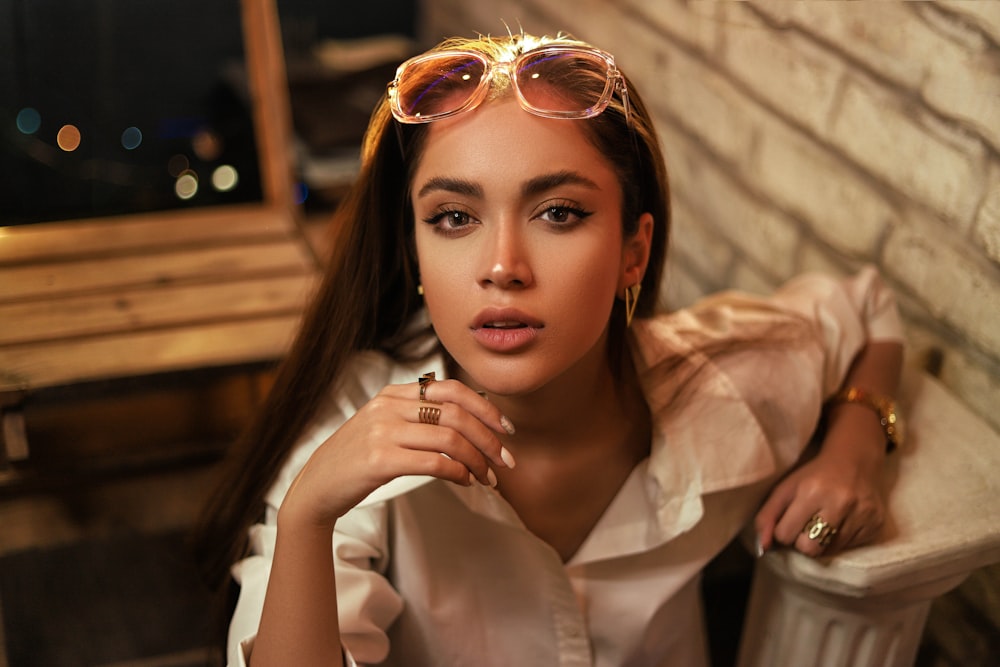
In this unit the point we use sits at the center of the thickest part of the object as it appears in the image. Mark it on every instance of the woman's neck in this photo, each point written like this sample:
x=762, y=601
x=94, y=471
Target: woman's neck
x=578, y=439
x=582, y=408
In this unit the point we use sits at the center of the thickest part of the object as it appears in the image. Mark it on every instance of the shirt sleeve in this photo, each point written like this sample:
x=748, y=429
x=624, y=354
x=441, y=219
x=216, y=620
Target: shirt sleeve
x=739, y=381
x=785, y=385
x=367, y=601
x=847, y=314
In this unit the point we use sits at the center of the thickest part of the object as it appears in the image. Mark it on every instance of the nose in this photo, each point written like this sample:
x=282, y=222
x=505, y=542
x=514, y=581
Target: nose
x=506, y=258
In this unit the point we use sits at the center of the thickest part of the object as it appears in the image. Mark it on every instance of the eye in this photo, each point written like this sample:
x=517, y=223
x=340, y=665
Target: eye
x=563, y=215
x=450, y=220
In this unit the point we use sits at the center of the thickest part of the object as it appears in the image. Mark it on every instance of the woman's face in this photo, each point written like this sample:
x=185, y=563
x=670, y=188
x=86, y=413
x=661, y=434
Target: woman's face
x=519, y=242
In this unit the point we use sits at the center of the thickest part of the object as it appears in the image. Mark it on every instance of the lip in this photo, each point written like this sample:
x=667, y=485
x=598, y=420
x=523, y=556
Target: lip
x=505, y=329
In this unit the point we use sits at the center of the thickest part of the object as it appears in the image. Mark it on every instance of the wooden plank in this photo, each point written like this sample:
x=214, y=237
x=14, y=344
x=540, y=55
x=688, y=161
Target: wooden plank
x=53, y=364
x=268, y=89
x=203, y=264
x=98, y=237
x=141, y=309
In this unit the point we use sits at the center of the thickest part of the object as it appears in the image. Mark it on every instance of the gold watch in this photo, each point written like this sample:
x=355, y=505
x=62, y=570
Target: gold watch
x=891, y=422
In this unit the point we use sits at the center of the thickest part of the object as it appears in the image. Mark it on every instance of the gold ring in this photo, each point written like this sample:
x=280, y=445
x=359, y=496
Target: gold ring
x=429, y=415
x=425, y=380
x=817, y=528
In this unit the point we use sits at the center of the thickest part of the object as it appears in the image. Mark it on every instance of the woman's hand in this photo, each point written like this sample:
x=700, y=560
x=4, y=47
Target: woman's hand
x=386, y=439
x=839, y=489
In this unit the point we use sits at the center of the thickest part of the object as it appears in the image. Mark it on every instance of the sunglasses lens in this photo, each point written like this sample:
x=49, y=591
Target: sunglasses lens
x=437, y=86
x=565, y=83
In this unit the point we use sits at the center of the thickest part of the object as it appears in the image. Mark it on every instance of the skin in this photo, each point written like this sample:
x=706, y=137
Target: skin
x=489, y=236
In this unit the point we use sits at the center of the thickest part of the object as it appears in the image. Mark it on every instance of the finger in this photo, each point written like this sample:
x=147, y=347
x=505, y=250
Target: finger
x=450, y=430
x=453, y=391
x=769, y=514
x=417, y=461
x=438, y=394
x=819, y=534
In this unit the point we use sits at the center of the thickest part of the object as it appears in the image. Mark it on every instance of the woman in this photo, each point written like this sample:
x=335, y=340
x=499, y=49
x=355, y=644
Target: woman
x=517, y=461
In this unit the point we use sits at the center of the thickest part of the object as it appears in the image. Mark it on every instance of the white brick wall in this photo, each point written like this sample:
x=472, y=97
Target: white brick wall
x=807, y=136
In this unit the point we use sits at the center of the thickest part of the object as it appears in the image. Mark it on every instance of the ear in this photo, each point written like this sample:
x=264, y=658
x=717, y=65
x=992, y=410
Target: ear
x=635, y=253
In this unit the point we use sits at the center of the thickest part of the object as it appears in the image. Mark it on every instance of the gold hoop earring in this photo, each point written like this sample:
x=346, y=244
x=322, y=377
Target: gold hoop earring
x=631, y=301
x=420, y=289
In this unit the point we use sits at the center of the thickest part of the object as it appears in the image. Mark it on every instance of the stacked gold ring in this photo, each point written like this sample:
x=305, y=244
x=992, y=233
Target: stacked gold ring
x=429, y=415
x=817, y=528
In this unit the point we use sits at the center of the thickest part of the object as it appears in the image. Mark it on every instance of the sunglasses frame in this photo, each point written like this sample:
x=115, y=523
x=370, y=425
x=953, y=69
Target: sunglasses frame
x=615, y=81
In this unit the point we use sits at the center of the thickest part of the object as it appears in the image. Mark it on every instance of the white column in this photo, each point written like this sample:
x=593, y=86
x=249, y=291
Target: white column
x=867, y=607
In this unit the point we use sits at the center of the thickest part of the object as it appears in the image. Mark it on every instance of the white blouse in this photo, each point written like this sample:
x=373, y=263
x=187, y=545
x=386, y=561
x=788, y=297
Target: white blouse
x=430, y=573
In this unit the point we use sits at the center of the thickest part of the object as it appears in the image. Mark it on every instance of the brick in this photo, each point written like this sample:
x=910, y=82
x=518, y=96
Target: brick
x=696, y=244
x=696, y=24
x=884, y=36
x=816, y=257
x=681, y=287
x=975, y=380
x=762, y=233
x=728, y=210
x=914, y=155
x=834, y=201
x=748, y=278
x=790, y=73
x=987, y=227
x=944, y=275
x=692, y=94
x=984, y=16
x=965, y=86
x=951, y=68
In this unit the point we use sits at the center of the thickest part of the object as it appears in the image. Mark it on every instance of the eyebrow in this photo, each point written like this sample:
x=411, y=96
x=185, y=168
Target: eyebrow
x=533, y=186
x=456, y=185
x=545, y=182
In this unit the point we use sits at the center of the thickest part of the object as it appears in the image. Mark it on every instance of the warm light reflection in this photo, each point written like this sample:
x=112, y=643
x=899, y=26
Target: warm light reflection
x=68, y=138
x=206, y=145
x=225, y=178
x=28, y=120
x=186, y=185
x=131, y=138
x=177, y=165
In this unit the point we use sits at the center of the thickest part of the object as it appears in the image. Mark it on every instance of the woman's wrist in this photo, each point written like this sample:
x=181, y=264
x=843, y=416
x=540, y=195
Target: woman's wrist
x=854, y=432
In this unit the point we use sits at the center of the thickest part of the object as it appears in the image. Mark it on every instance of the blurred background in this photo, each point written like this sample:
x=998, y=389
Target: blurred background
x=798, y=136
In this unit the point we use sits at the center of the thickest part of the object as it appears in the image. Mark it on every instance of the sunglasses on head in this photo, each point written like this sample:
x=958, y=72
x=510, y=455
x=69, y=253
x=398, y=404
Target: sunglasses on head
x=555, y=81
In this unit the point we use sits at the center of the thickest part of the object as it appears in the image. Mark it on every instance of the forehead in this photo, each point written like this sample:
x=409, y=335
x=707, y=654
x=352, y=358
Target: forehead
x=500, y=141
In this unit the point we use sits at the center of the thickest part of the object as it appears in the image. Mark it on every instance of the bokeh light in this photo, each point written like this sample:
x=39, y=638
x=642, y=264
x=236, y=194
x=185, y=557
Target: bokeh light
x=68, y=138
x=186, y=185
x=301, y=192
x=28, y=120
x=177, y=165
x=206, y=145
x=225, y=178
x=131, y=138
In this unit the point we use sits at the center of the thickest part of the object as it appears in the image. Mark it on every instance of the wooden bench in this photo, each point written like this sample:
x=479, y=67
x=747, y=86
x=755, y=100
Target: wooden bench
x=104, y=299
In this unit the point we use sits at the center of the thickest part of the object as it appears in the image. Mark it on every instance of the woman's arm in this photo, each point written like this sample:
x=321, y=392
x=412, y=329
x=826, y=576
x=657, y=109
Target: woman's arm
x=299, y=624
x=842, y=483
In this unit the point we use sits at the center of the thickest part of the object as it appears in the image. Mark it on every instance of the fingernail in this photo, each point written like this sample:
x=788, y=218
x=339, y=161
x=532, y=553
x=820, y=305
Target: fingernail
x=507, y=457
x=492, y=476
x=507, y=425
x=472, y=479
x=758, y=548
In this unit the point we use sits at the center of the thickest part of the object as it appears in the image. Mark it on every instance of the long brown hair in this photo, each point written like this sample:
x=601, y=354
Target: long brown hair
x=368, y=297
